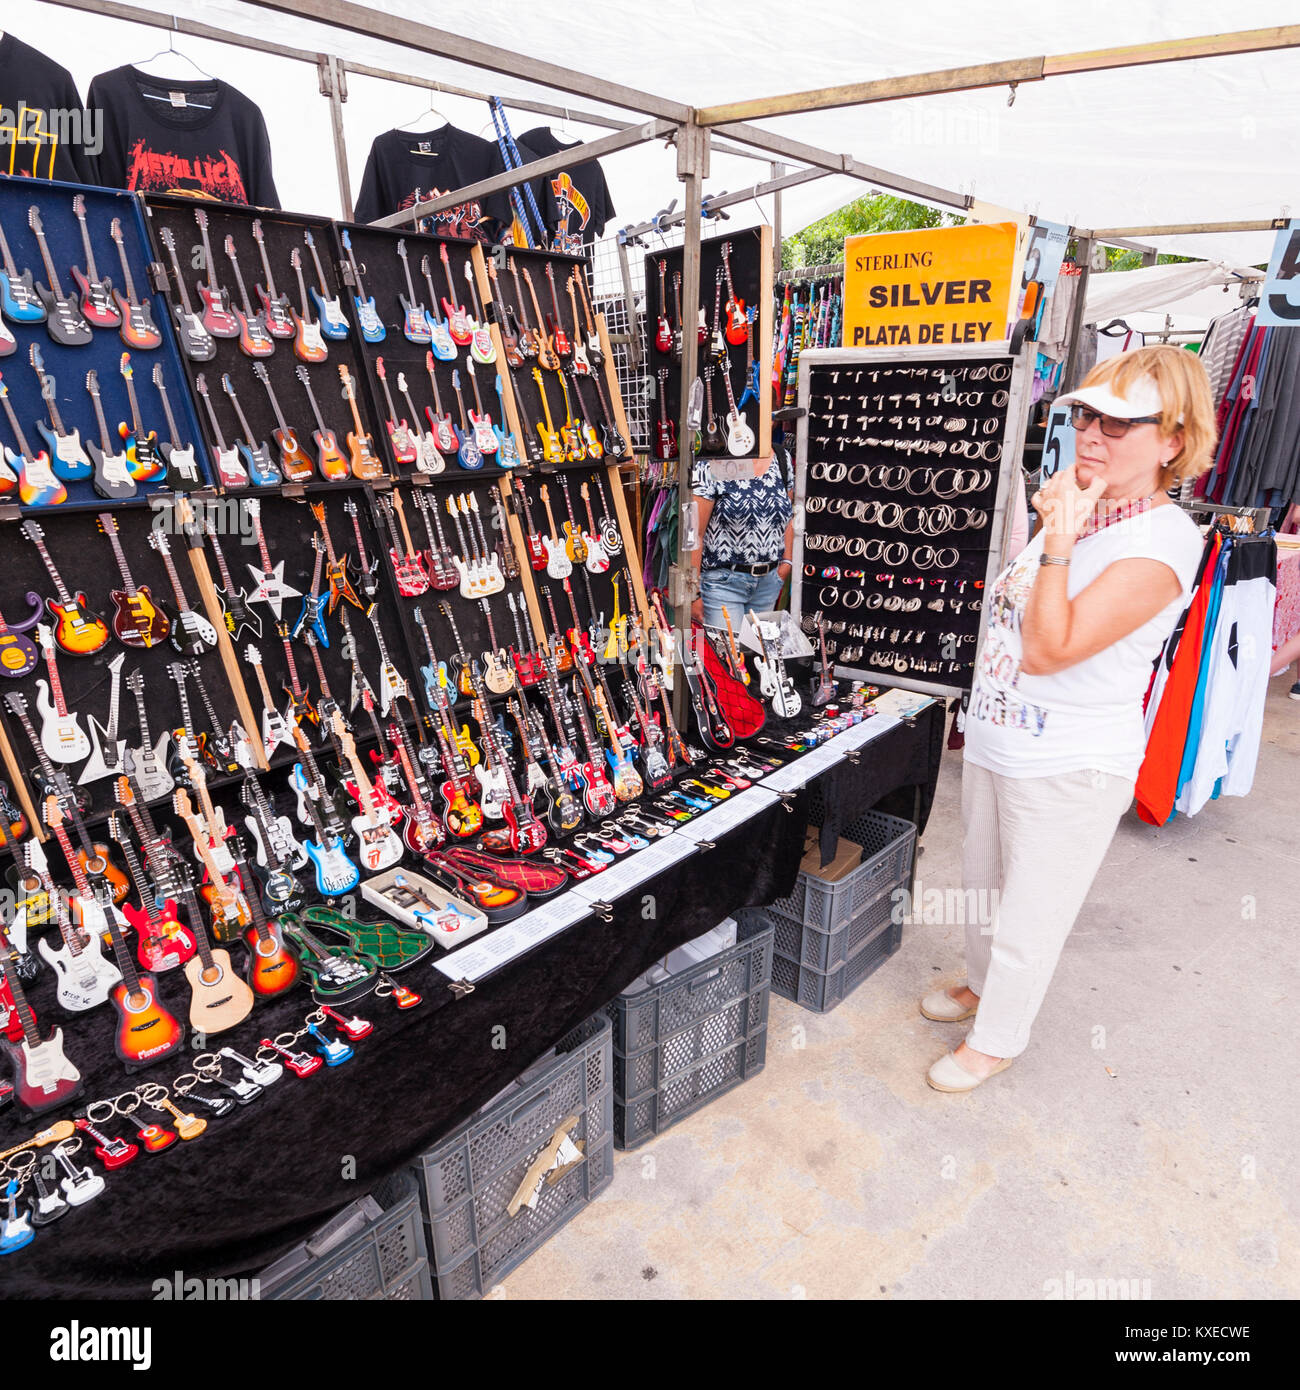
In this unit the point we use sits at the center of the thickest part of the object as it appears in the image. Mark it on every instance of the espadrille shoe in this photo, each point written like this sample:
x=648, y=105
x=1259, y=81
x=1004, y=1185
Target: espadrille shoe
x=949, y=1075
x=943, y=1008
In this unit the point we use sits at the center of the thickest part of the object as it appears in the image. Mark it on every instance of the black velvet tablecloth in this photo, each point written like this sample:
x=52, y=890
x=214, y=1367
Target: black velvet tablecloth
x=268, y=1174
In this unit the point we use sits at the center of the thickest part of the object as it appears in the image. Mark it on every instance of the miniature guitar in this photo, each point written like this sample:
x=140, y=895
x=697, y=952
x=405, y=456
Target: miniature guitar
x=196, y=342
x=64, y=321
x=333, y=322
x=308, y=340
x=136, y=328
x=96, y=292
x=332, y=465
x=254, y=338
x=277, y=314
x=216, y=316
x=372, y=326
x=231, y=472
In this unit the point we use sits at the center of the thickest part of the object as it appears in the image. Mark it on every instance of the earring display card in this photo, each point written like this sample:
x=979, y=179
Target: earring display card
x=271, y=343
x=565, y=395
x=93, y=402
x=431, y=362
x=900, y=504
x=731, y=345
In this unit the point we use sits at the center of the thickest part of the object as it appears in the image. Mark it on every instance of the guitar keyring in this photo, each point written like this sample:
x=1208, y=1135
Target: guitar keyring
x=352, y=1028
x=80, y=1185
x=600, y=854
x=208, y=1065
x=154, y=1137
x=215, y=1105
x=403, y=997
x=48, y=1204
x=334, y=1052
x=155, y=1097
x=16, y=1229
x=282, y=1045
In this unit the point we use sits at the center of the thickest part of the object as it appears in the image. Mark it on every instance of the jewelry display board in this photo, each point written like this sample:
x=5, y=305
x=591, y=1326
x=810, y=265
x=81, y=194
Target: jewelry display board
x=902, y=478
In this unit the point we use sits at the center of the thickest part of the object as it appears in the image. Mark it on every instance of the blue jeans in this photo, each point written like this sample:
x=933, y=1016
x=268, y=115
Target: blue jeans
x=740, y=593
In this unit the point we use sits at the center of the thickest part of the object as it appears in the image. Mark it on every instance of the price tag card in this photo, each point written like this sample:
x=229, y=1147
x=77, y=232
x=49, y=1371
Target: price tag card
x=736, y=810
x=499, y=948
x=871, y=728
x=903, y=703
x=791, y=776
x=624, y=875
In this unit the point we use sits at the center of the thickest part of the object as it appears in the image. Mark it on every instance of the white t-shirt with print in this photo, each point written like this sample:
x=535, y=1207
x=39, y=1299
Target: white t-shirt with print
x=1090, y=714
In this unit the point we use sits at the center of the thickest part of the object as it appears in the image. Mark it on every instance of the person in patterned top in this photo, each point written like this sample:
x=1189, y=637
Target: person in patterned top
x=747, y=530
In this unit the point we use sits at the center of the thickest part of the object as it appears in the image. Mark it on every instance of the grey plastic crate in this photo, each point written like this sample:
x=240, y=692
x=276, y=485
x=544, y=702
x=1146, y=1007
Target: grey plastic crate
x=467, y=1181
x=690, y=1090
x=821, y=991
x=889, y=849
x=510, y=1242
x=826, y=951
x=385, y=1260
x=503, y=1135
x=695, y=1036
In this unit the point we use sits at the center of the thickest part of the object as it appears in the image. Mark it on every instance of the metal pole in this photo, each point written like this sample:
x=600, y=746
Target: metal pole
x=692, y=169
x=633, y=316
x=411, y=33
x=333, y=84
x=777, y=170
x=1082, y=256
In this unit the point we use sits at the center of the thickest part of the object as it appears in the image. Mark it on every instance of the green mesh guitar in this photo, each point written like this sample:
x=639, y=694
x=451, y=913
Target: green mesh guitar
x=389, y=946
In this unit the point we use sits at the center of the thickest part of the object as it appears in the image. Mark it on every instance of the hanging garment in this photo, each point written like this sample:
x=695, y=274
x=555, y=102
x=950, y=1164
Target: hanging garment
x=575, y=203
x=405, y=168
x=202, y=138
x=1170, y=699
x=1232, y=716
x=49, y=136
x=1222, y=342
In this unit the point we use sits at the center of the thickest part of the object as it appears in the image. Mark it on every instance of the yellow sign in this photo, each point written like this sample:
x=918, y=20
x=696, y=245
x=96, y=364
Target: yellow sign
x=938, y=286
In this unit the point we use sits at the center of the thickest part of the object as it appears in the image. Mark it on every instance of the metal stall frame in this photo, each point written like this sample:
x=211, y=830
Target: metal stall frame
x=1018, y=402
x=694, y=130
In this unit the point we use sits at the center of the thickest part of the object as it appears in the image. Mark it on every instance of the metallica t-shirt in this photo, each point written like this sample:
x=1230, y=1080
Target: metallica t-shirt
x=404, y=169
x=44, y=132
x=202, y=138
x=575, y=203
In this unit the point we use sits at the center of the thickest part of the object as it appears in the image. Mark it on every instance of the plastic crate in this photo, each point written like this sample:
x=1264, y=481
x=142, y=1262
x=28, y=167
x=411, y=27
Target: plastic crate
x=386, y=1260
x=694, y=1037
x=514, y=1238
x=889, y=850
x=820, y=990
x=467, y=1181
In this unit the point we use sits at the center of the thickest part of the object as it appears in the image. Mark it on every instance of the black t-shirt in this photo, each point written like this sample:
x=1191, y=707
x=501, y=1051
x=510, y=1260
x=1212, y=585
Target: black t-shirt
x=159, y=138
x=575, y=203
x=44, y=132
x=405, y=168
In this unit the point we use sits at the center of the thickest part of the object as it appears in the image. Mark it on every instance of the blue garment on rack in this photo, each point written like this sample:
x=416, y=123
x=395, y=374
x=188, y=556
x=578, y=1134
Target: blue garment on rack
x=1197, y=712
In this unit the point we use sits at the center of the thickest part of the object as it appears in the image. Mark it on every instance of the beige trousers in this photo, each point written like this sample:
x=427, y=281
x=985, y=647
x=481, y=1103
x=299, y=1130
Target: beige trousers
x=1031, y=848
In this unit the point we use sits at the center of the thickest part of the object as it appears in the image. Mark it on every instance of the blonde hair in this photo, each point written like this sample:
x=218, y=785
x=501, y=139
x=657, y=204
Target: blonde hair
x=1185, y=397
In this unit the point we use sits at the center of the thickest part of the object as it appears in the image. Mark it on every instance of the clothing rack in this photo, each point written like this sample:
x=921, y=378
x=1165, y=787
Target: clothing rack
x=810, y=272
x=1256, y=516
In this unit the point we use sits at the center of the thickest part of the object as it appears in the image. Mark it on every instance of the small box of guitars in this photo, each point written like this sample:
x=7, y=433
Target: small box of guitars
x=424, y=906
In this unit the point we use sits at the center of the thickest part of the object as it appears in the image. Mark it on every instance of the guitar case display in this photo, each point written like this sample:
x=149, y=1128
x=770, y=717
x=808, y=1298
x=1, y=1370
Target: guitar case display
x=743, y=712
x=46, y=377
x=180, y=248
x=748, y=362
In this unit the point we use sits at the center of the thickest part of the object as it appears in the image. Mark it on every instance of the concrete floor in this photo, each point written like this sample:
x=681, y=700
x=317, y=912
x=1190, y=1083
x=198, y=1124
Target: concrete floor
x=838, y=1173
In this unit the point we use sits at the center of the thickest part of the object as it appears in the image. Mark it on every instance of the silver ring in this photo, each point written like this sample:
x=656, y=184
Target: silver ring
x=923, y=557
x=887, y=555
x=999, y=371
x=106, y=1109
x=858, y=482
x=948, y=550
x=867, y=552
x=855, y=594
x=875, y=600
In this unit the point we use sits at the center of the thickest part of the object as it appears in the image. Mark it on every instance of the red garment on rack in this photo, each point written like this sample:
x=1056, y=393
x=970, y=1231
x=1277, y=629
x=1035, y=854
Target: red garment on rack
x=1157, y=779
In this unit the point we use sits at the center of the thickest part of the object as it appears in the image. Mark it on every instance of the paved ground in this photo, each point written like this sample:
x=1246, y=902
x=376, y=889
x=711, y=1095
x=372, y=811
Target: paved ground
x=837, y=1173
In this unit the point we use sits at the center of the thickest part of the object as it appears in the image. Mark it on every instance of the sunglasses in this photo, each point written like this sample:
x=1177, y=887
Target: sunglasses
x=1081, y=416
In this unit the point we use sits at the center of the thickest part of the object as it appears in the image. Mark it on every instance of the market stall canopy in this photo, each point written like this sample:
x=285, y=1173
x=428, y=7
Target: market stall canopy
x=1209, y=139
x=1124, y=293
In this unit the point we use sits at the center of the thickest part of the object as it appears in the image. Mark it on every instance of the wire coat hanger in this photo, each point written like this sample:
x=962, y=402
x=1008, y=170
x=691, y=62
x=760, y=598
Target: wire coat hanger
x=172, y=51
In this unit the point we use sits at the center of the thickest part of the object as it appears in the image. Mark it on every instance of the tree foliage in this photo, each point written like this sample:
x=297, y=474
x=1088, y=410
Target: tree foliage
x=822, y=243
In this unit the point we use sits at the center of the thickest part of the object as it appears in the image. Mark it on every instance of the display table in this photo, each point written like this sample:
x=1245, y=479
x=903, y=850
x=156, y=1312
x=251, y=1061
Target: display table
x=269, y=1173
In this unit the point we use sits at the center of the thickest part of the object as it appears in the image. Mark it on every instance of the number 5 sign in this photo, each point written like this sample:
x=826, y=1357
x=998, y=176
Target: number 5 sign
x=1279, y=300
x=1058, y=442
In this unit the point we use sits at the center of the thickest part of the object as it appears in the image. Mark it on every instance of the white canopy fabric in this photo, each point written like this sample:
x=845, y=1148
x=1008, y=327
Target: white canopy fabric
x=1121, y=294
x=1207, y=140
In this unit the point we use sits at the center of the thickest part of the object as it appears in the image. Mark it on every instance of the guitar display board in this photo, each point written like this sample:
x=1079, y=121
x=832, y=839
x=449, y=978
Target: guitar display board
x=65, y=367
x=83, y=556
x=175, y=219
x=750, y=259
x=376, y=253
x=896, y=437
